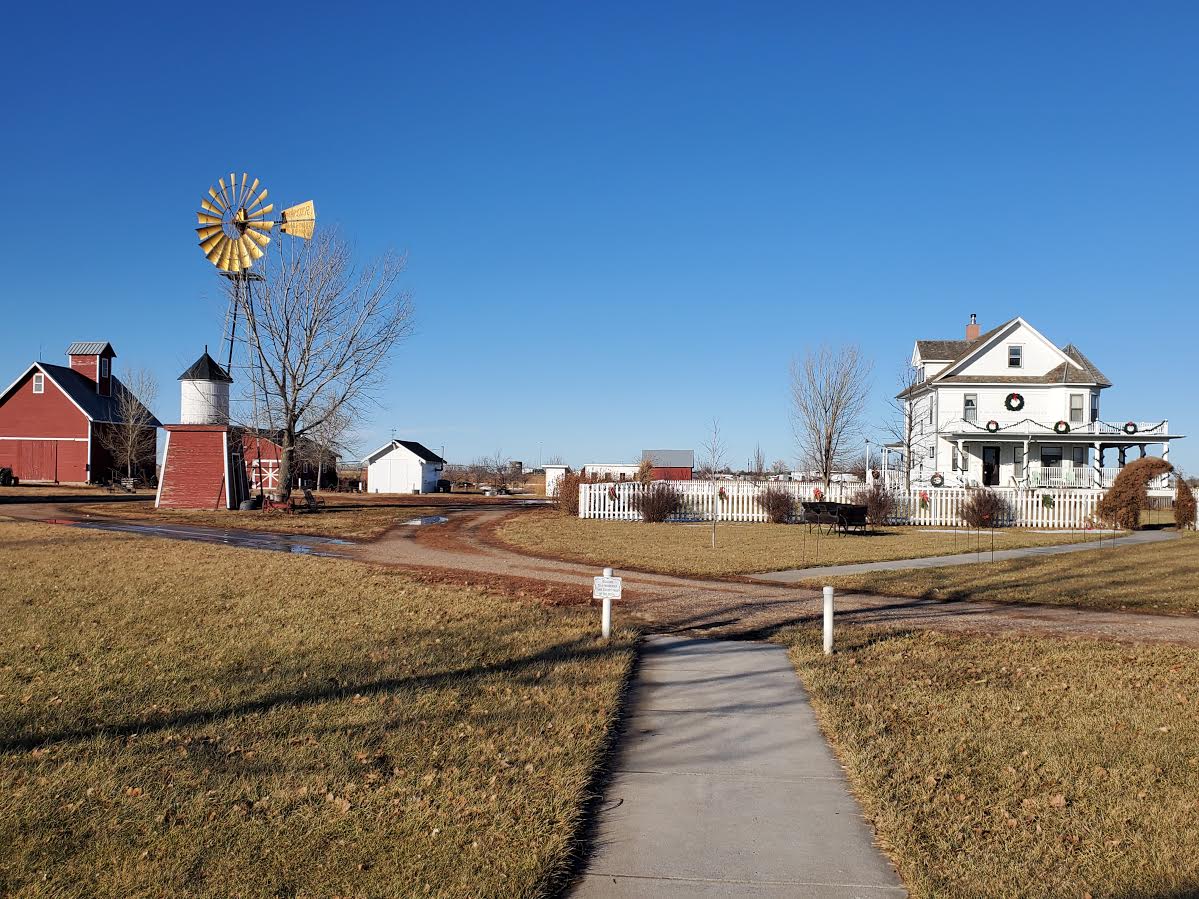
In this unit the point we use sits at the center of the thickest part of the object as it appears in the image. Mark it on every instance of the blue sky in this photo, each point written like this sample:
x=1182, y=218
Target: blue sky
x=623, y=220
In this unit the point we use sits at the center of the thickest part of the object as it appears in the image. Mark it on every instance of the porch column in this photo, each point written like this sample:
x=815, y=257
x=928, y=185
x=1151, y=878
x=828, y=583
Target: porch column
x=1165, y=450
x=1024, y=462
x=1123, y=456
x=964, y=469
x=1143, y=445
x=1097, y=468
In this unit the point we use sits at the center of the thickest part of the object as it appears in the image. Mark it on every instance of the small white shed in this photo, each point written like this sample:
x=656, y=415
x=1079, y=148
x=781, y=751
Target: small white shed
x=403, y=466
x=553, y=475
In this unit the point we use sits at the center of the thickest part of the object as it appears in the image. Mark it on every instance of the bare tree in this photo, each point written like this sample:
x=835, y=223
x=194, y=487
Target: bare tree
x=714, y=450
x=757, y=464
x=132, y=439
x=908, y=422
x=829, y=391
x=319, y=331
x=645, y=472
x=499, y=471
x=325, y=442
x=779, y=466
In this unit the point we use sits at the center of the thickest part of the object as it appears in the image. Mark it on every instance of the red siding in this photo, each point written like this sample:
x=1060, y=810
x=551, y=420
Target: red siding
x=193, y=472
x=672, y=474
x=34, y=417
x=89, y=367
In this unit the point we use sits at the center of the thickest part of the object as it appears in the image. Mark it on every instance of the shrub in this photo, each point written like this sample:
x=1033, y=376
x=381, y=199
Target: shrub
x=567, y=492
x=658, y=503
x=778, y=504
x=1184, y=506
x=986, y=509
x=1122, y=504
x=879, y=503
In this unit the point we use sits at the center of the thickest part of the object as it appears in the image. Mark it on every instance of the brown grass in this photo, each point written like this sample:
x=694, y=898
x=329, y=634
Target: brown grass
x=1018, y=767
x=1154, y=577
x=741, y=548
x=353, y=516
x=181, y=719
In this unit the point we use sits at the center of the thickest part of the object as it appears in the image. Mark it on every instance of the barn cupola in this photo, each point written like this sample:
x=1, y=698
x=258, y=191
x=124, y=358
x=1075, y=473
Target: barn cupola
x=93, y=360
x=204, y=393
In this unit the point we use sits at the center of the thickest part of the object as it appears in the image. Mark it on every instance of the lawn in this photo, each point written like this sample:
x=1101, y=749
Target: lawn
x=1154, y=577
x=1018, y=767
x=353, y=516
x=180, y=719
x=741, y=548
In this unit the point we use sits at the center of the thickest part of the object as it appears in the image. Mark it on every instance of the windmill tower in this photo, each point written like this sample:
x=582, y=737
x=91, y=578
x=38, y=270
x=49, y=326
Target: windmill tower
x=203, y=466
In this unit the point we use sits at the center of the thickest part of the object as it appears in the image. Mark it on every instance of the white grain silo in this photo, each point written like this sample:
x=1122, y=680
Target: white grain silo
x=204, y=393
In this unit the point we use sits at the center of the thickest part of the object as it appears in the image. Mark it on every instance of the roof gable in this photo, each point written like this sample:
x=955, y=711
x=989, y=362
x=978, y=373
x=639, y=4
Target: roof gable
x=1003, y=333
x=419, y=450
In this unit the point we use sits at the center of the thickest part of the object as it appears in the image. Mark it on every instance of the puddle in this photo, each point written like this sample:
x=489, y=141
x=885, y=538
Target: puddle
x=428, y=519
x=301, y=544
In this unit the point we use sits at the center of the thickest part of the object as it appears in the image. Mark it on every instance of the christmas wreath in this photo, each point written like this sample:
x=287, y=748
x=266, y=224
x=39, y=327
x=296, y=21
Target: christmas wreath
x=1014, y=402
x=992, y=426
x=612, y=493
x=818, y=494
x=1062, y=427
x=923, y=499
x=937, y=480
x=1130, y=427
x=723, y=494
x=1047, y=501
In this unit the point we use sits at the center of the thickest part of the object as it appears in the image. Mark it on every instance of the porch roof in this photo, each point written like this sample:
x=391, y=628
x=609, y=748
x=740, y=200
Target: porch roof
x=1090, y=432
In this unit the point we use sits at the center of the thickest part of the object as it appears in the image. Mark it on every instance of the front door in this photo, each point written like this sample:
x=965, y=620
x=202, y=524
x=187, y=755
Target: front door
x=990, y=466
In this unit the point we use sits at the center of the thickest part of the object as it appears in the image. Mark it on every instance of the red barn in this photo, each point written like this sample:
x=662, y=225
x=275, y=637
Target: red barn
x=51, y=417
x=671, y=465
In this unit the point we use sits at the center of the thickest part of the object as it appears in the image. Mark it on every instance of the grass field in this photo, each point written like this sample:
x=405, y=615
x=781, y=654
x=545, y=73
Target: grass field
x=741, y=548
x=1155, y=577
x=179, y=719
x=354, y=516
x=1018, y=767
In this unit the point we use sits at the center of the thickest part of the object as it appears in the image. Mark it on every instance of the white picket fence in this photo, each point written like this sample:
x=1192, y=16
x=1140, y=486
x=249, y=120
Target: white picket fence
x=931, y=507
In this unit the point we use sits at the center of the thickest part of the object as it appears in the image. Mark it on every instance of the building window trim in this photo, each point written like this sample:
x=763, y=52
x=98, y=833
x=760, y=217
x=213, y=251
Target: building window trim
x=103, y=367
x=970, y=407
x=39, y=382
x=1077, y=416
x=1015, y=355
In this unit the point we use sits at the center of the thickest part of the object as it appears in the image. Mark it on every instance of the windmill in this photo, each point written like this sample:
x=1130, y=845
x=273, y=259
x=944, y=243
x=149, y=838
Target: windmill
x=235, y=226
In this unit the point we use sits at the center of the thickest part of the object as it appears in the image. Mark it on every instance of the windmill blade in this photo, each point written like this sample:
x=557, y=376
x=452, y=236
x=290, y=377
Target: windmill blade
x=224, y=196
x=226, y=262
x=203, y=218
x=261, y=213
x=208, y=243
x=258, y=199
x=242, y=192
x=261, y=239
x=210, y=207
x=214, y=254
x=299, y=220
x=251, y=248
x=208, y=231
x=216, y=199
x=265, y=225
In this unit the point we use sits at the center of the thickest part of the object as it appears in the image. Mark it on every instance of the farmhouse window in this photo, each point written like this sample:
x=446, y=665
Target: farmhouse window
x=1094, y=407
x=955, y=463
x=1051, y=457
x=39, y=383
x=1079, y=456
x=1015, y=356
x=932, y=452
x=970, y=407
x=1017, y=462
x=1076, y=407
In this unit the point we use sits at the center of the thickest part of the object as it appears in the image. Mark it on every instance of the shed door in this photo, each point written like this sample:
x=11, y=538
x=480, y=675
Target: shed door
x=39, y=460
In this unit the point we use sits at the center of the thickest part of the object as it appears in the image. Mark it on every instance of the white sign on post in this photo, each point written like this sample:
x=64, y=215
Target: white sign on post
x=606, y=588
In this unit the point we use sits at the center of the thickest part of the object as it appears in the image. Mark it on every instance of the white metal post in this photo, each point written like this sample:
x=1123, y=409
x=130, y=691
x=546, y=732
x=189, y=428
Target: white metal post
x=828, y=621
x=606, y=615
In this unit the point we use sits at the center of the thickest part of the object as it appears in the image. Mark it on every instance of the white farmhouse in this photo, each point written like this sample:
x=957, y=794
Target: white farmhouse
x=403, y=466
x=1008, y=408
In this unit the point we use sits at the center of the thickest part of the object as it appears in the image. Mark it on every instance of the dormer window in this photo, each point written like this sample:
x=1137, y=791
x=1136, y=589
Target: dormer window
x=39, y=382
x=103, y=367
x=1015, y=356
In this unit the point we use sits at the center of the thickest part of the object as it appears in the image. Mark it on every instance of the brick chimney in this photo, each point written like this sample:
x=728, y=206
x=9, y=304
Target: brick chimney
x=972, y=329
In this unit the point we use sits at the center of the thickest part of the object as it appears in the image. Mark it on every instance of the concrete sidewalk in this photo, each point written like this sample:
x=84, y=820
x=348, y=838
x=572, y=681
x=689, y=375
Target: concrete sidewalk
x=797, y=575
x=726, y=787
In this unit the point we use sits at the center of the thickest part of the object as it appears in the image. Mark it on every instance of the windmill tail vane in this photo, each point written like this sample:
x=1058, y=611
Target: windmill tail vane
x=235, y=222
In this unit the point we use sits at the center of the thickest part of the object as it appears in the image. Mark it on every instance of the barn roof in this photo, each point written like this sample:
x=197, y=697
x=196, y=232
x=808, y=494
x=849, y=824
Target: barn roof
x=418, y=449
x=90, y=348
x=670, y=458
x=206, y=369
x=82, y=391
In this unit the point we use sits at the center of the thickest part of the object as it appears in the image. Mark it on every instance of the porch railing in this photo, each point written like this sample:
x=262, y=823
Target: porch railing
x=1013, y=425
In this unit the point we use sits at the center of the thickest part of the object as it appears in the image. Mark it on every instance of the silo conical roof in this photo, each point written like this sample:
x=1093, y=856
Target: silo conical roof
x=206, y=369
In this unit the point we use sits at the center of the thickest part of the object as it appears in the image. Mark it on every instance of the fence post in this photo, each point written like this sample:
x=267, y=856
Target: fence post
x=828, y=621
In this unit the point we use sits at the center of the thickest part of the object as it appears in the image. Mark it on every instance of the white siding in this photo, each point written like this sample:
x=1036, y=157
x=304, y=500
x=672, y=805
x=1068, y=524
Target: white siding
x=401, y=471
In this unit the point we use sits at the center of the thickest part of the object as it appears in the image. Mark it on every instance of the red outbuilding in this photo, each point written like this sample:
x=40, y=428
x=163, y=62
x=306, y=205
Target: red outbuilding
x=52, y=416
